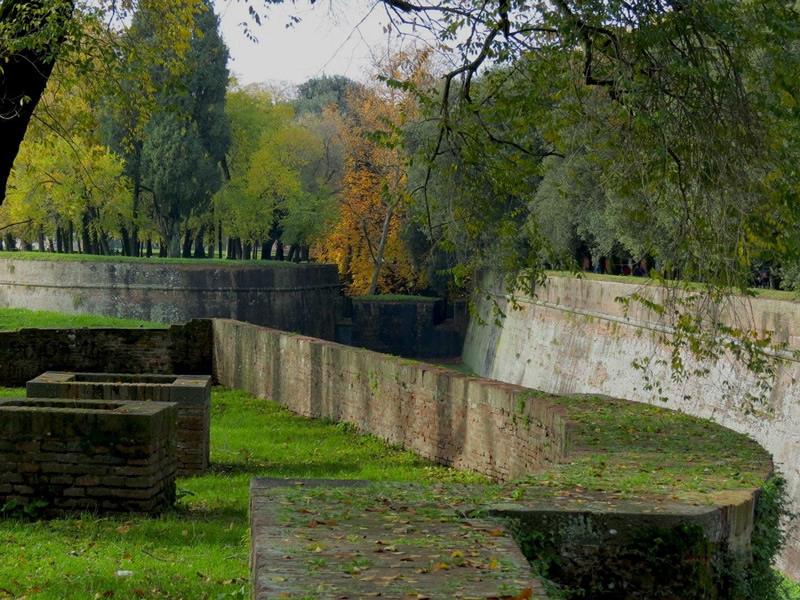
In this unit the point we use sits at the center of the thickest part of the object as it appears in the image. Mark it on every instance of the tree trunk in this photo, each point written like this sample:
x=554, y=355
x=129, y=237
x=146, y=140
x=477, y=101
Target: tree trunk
x=304, y=253
x=248, y=250
x=24, y=75
x=266, y=250
x=199, y=243
x=41, y=239
x=87, y=240
x=186, y=250
x=59, y=240
x=11, y=243
x=162, y=248
x=292, y=253
x=219, y=240
x=149, y=249
x=279, y=250
x=376, y=271
x=127, y=248
x=70, y=237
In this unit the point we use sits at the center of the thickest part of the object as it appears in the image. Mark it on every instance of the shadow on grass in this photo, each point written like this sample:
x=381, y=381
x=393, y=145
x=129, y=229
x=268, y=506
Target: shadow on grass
x=281, y=470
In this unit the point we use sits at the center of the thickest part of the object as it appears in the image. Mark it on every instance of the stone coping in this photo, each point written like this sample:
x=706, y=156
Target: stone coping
x=89, y=380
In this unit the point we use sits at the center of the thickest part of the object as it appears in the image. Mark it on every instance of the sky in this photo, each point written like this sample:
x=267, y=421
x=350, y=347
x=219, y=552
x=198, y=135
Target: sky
x=333, y=40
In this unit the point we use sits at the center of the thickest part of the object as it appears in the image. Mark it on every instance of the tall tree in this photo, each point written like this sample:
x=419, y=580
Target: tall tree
x=176, y=144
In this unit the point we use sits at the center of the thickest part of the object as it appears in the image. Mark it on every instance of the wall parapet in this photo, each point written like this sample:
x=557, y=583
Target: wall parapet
x=501, y=430
x=574, y=337
x=292, y=297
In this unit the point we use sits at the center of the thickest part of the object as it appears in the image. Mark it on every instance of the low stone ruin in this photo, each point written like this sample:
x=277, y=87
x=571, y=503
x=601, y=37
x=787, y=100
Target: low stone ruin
x=87, y=455
x=191, y=393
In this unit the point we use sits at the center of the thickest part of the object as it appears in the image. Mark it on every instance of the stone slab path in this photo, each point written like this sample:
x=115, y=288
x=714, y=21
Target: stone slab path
x=352, y=540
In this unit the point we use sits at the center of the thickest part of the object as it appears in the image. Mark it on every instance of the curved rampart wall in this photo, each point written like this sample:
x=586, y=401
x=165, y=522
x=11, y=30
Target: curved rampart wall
x=291, y=297
x=575, y=337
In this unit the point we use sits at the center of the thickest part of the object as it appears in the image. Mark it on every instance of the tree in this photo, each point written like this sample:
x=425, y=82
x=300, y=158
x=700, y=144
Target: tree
x=177, y=172
x=31, y=33
x=34, y=33
x=366, y=242
x=318, y=94
x=174, y=145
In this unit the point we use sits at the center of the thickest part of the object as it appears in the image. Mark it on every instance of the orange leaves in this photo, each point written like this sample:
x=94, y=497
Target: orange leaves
x=374, y=202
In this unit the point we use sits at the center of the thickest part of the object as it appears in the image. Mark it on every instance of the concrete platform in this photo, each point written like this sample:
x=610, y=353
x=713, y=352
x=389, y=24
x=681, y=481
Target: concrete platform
x=350, y=540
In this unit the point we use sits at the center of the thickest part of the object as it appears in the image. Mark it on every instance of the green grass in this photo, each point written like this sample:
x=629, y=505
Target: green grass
x=200, y=550
x=636, y=450
x=395, y=298
x=52, y=256
x=12, y=319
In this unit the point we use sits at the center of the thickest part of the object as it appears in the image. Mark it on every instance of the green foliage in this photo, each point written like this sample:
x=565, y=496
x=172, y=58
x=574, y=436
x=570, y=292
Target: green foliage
x=759, y=579
x=320, y=93
x=282, y=170
x=175, y=140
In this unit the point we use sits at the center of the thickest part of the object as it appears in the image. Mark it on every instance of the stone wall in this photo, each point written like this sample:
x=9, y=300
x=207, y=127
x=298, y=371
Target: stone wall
x=287, y=296
x=184, y=349
x=87, y=456
x=501, y=430
x=190, y=393
x=406, y=328
x=575, y=337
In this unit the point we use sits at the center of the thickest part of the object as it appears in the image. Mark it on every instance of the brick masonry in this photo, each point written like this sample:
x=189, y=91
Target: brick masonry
x=27, y=353
x=87, y=455
x=413, y=329
x=191, y=394
x=501, y=430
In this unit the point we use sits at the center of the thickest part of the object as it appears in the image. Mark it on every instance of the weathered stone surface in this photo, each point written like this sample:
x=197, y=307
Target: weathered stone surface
x=574, y=337
x=415, y=329
x=355, y=540
x=292, y=297
x=191, y=394
x=103, y=439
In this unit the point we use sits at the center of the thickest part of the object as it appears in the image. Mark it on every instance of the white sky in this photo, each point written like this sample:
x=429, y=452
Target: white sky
x=329, y=40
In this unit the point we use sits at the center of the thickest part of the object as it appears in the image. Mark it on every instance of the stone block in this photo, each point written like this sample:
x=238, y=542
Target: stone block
x=191, y=394
x=95, y=474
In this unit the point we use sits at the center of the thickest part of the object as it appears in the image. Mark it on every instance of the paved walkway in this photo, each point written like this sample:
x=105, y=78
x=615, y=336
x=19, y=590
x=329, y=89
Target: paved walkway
x=353, y=540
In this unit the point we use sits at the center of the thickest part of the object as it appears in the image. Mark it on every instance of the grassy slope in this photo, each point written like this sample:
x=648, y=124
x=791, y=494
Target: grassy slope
x=200, y=550
x=17, y=318
x=50, y=256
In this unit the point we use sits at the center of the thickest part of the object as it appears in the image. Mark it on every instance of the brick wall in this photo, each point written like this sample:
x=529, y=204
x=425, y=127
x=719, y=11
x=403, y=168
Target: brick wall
x=497, y=429
x=184, y=349
x=406, y=328
x=87, y=455
x=191, y=394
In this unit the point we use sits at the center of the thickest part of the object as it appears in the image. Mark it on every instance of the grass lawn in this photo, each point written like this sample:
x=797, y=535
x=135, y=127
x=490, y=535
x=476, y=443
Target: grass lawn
x=200, y=550
x=53, y=256
x=12, y=319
